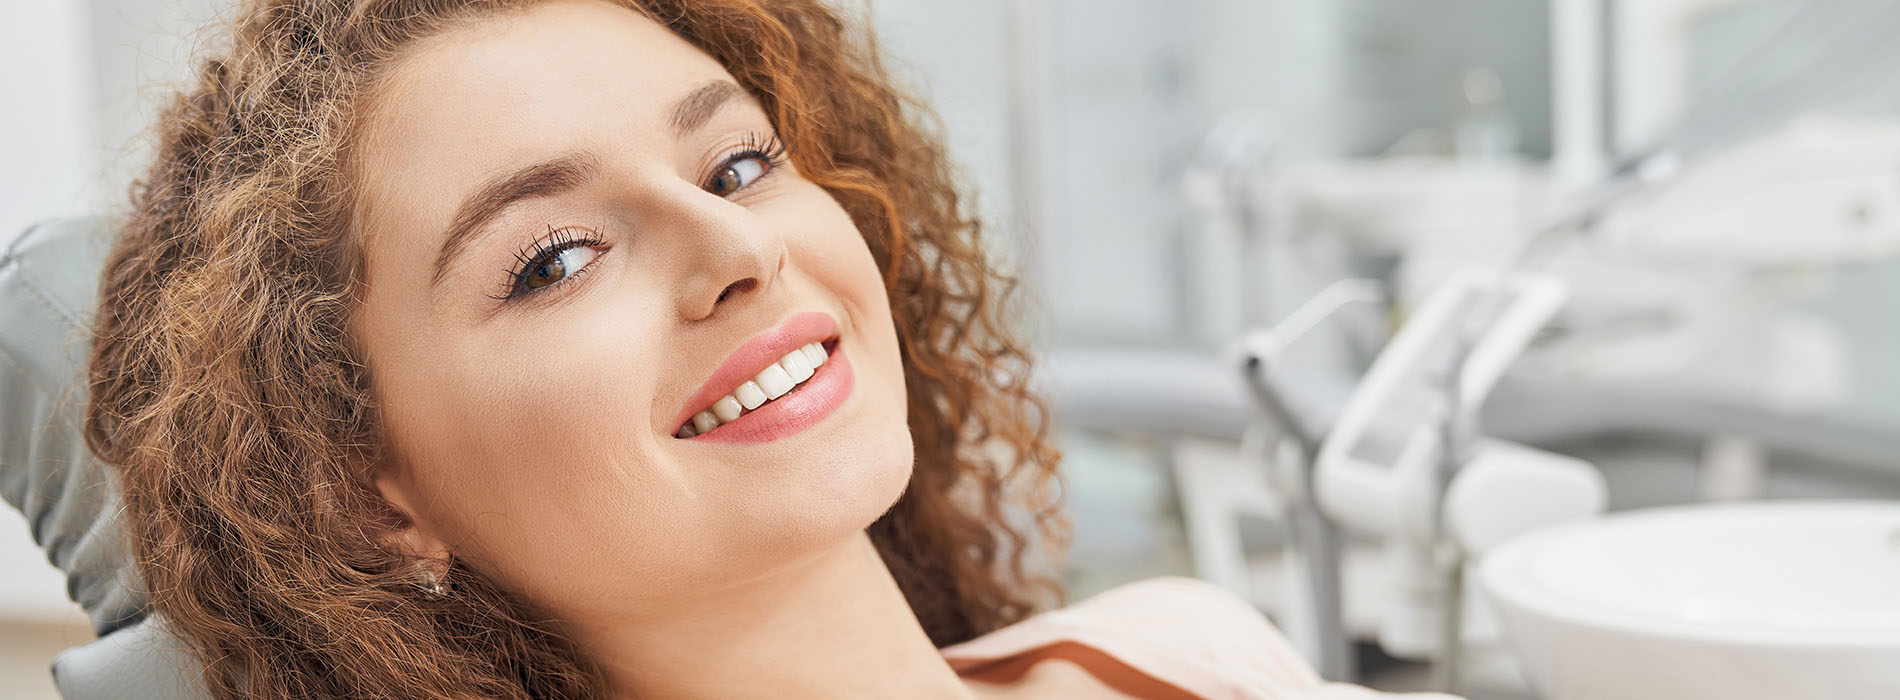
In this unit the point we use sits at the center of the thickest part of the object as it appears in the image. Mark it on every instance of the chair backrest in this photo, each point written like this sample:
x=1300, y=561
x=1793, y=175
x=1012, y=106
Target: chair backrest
x=49, y=278
x=140, y=661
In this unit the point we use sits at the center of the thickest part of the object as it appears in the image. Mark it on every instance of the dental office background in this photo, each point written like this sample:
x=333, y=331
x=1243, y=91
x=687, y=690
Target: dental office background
x=1167, y=176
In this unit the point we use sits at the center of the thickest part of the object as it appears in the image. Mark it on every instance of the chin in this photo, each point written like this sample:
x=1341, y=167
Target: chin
x=891, y=475
x=868, y=477
x=817, y=500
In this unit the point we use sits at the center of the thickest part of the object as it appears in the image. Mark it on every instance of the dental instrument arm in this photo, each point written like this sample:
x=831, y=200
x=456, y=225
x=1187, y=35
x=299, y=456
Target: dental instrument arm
x=1313, y=558
x=1396, y=462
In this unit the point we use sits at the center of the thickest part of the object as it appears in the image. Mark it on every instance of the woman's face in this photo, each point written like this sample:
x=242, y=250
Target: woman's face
x=580, y=234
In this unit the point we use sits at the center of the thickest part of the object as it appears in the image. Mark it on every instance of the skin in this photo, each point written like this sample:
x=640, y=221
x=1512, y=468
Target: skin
x=531, y=439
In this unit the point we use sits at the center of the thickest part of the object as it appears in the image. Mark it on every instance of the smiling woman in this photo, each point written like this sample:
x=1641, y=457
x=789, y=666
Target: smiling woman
x=581, y=349
x=618, y=252
x=421, y=351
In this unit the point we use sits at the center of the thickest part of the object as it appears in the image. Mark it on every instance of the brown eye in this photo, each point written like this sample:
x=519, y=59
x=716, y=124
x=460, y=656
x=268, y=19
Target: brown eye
x=738, y=173
x=725, y=183
x=546, y=273
x=555, y=265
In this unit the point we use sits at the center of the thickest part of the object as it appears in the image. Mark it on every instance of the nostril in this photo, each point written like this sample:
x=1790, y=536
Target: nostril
x=740, y=286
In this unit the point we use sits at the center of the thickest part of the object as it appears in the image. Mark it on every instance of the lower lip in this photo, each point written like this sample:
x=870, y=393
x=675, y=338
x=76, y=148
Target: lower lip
x=807, y=404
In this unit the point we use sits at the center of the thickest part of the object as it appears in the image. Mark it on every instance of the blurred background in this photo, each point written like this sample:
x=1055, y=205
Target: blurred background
x=1168, y=177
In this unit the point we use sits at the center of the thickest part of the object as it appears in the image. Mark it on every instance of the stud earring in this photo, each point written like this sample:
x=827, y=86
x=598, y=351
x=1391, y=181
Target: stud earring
x=433, y=585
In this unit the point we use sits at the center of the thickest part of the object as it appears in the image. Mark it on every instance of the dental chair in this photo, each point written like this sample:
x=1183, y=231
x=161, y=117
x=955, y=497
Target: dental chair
x=49, y=279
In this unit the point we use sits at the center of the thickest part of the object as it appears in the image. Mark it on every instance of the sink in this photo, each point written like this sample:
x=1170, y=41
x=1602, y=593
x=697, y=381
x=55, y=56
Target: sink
x=1746, y=601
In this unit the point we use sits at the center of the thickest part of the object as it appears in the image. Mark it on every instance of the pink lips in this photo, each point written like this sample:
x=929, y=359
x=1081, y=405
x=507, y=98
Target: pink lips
x=806, y=404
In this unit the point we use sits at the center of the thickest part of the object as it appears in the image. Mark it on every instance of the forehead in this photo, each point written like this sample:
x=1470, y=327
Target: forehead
x=514, y=88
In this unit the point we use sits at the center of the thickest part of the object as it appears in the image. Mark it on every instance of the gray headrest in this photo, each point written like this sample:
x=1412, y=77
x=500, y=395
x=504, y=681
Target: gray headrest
x=49, y=280
x=141, y=661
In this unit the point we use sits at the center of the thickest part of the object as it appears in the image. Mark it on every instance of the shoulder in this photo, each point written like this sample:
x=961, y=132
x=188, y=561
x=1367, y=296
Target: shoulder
x=1176, y=597
x=1174, y=612
x=1187, y=632
x=1194, y=617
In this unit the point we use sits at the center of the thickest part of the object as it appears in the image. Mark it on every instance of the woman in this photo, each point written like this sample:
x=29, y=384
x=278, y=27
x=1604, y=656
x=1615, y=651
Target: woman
x=572, y=349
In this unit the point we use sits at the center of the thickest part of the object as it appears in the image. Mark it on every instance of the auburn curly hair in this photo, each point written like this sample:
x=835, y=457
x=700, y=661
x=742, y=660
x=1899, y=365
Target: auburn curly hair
x=225, y=388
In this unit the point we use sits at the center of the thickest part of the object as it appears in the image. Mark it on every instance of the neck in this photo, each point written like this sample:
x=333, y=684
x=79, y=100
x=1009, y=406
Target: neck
x=833, y=625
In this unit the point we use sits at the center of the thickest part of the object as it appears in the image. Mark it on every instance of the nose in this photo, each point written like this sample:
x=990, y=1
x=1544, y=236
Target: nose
x=731, y=256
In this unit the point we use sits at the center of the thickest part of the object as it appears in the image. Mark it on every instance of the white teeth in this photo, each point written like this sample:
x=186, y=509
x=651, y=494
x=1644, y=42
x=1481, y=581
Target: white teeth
x=750, y=395
x=704, y=421
x=727, y=408
x=774, y=381
x=797, y=365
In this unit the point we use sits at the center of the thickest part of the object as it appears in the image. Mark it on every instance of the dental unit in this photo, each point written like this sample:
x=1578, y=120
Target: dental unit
x=1402, y=462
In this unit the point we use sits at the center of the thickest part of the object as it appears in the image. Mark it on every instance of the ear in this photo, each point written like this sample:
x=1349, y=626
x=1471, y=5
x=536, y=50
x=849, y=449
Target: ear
x=407, y=534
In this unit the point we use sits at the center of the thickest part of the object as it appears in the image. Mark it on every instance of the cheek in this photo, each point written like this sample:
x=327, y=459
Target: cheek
x=557, y=386
x=841, y=260
x=539, y=445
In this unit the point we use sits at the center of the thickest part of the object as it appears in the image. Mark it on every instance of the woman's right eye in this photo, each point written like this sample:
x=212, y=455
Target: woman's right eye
x=552, y=262
x=555, y=266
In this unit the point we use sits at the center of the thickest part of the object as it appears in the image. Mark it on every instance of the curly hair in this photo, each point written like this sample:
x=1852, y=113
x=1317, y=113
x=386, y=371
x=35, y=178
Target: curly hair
x=226, y=390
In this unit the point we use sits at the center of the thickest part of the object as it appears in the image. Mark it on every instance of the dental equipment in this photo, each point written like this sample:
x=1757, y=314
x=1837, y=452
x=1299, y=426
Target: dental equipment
x=1286, y=438
x=1766, y=600
x=1217, y=187
x=1821, y=191
x=1404, y=461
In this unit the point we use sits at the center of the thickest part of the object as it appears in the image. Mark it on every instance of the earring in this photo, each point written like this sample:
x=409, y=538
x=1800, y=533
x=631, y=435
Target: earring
x=434, y=586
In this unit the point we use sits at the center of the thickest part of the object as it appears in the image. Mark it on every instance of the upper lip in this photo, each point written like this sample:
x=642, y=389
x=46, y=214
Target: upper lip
x=754, y=355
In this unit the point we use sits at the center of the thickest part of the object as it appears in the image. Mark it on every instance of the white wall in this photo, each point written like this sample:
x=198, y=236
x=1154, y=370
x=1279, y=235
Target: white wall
x=46, y=135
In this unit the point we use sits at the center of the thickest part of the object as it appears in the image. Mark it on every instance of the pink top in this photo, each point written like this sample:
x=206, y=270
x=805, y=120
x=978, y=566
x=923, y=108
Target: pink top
x=1185, y=633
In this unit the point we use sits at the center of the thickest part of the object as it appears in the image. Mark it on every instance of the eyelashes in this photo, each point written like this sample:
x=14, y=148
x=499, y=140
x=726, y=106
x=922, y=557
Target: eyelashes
x=546, y=263
x=552, y=261
x=755, y=157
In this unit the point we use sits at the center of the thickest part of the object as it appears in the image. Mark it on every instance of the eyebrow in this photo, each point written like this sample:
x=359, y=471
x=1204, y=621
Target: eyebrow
x=692, y=111
x=544, y=179
x=560, y=174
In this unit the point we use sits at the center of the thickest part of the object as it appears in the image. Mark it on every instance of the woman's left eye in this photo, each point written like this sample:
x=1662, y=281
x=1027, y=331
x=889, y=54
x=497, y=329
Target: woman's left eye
x=738, y=173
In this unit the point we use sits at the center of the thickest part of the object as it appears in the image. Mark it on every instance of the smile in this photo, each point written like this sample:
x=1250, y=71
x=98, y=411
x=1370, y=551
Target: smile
x=778, y=383
x=776, y=380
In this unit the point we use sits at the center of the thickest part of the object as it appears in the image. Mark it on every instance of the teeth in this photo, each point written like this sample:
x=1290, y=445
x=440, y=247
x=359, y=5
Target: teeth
x=750, y=395
x=727, y=408
x=772, y=382
x=775, y=381
x=797, y=366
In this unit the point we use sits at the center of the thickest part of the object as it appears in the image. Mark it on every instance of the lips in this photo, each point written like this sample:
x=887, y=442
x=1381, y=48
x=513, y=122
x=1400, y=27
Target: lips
x=737, y=375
